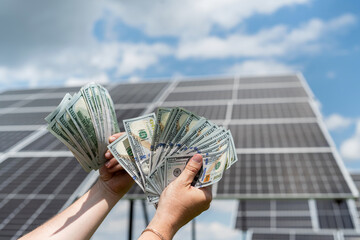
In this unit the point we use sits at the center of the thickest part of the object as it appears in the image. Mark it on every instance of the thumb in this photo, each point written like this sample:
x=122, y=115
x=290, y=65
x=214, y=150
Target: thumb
x=191, y=169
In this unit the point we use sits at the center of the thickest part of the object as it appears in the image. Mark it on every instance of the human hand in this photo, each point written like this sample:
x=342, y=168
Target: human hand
x=113, y=178
x=180, y=202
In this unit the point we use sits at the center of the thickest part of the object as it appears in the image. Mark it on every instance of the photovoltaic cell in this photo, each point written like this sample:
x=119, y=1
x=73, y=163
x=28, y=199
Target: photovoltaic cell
x=136, y=93
x=278, y=110
x=210, y=112
x=43, y=102
x=334, y=214
x=272, y=235
x=272, y=214
x=277, y=79
x=48, y=142
x=10, y=138
x=278, y=135
x=7, y=103
x=351, y=236
x=295, y=173
x=32, y=118
x=220, y=82
x=290, y=92
x=200, y=95
x=123, y=114
x=24, y=91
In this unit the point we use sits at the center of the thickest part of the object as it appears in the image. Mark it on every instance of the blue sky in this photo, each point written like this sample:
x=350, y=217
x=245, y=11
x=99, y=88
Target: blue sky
x=47, y=43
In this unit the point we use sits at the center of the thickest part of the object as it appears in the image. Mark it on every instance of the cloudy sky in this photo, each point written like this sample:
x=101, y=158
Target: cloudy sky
x=56, y=43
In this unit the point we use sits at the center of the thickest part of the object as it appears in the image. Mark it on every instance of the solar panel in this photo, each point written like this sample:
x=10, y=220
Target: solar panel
x=267, y=79
x=136, y=93
x=203, y=82
x=263, y=235
x=46, y=142
x=334, y=214
x=290, y=92
x=200, y=95
x=10, y=138
x=272, y=110
x=43, y=102
x=48, y=178
x=7, y=103
x=351, y=236
x=264, y=113
x=31, y=118
x=287, y=135
x=284, y=175
x=212, y=112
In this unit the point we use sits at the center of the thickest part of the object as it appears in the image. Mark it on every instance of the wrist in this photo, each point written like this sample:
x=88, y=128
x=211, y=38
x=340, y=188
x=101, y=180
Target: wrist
x=163, y=226
x=106, y=192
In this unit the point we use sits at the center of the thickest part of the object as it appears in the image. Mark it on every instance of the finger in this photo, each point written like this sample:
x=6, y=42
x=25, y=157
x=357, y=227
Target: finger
x=115, y=136
x=111, y=163
x=115, y=168
x=108, y=155
x=191, y=169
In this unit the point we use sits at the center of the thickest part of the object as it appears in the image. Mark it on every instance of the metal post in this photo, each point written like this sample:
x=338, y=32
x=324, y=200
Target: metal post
x=131, y=213
x=146, y=217
x=193, y=233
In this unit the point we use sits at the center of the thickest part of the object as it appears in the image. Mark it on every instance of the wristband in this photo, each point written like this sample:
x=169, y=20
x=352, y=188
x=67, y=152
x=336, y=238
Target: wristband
x=153, y=231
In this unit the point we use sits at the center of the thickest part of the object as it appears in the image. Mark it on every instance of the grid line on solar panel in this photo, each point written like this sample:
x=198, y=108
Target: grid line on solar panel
x=311, y=175
x=291, y=92
x=271, y=110
x=278, y=135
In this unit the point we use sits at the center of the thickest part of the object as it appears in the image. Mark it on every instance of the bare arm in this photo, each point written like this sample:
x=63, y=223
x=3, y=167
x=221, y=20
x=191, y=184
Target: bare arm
x=179, y=203
x=83, y=217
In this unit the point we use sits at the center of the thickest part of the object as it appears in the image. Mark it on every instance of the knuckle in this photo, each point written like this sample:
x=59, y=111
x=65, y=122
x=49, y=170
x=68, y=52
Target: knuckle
x=192, y=168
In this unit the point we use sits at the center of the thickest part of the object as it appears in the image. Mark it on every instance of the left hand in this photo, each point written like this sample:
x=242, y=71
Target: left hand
x=112, y=174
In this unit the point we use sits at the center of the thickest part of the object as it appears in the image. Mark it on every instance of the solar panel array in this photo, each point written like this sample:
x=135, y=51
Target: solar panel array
x=283, y=149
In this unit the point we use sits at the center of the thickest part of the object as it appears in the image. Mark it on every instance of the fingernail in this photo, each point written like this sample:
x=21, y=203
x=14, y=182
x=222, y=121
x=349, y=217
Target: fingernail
x=107, y=164
x=111, y=139
x=107, y=154
x=197, y=158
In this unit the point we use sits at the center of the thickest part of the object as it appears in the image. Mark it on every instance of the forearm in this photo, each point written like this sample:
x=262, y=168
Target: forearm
x=81, y=219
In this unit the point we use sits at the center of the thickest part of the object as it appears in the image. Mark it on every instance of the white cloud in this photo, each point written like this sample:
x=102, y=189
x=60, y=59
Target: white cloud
x=277, y=41
x=336, y=122
x=191, y=19
x=260, y=67
x=350, y=148
x=79, y=81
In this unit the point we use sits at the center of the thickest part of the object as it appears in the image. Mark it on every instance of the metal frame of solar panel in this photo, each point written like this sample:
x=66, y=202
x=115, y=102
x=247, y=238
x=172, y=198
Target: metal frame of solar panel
x=289, y=96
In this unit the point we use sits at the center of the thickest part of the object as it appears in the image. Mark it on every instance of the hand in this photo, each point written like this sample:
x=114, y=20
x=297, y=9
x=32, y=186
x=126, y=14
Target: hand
x=113, y=177
x=180, y=202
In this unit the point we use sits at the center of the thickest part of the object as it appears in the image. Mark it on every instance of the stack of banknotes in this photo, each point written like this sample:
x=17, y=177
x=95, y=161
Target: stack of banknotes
x=84, y=122
x=156, y=149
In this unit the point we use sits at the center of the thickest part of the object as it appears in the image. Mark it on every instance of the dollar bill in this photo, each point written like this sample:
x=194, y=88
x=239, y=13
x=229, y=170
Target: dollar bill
x=140, y=131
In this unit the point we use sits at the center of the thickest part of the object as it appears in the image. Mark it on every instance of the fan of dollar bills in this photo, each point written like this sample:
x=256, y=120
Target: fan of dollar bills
x=156, y=149
x=84, y=122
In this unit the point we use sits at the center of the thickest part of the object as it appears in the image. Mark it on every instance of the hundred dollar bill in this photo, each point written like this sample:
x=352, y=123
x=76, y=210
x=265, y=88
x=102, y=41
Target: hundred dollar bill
x=162, y=116
x=114, y=126
x=174, y=166
x=64, y=101
x=213, y=168
x=140, y=131
x=122, y=152
x=79, y=114
x=56, y=130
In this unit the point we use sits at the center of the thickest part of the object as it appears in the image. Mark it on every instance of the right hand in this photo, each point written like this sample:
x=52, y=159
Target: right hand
x=180, y=202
